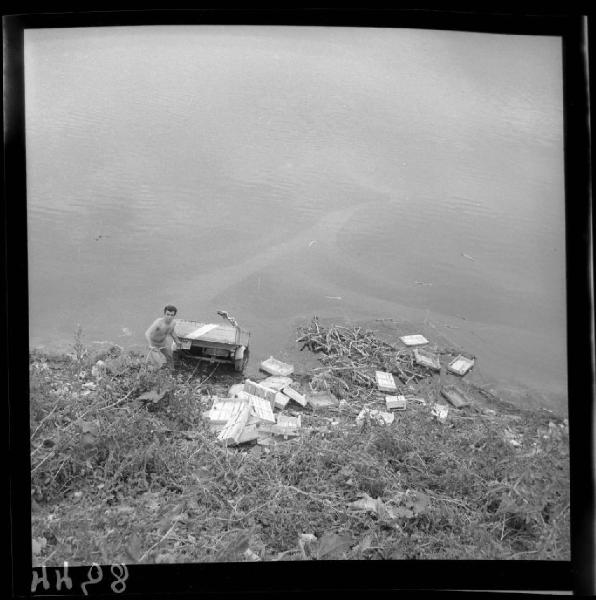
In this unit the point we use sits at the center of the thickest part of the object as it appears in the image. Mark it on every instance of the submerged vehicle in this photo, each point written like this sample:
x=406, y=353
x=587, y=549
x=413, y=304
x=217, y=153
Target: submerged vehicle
x=214, y=343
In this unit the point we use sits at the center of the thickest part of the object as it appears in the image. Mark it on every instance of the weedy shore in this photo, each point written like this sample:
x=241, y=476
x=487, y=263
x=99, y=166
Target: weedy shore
x=125, y=467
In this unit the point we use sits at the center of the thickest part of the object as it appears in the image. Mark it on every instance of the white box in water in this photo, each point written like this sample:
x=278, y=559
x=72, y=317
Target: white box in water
x=414, y=340
x=276, y=367
x=385, y=381
x=427, y=359
x=460, y=365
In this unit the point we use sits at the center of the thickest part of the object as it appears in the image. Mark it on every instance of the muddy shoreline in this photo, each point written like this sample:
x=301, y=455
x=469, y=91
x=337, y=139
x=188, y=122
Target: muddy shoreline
x=492, y=378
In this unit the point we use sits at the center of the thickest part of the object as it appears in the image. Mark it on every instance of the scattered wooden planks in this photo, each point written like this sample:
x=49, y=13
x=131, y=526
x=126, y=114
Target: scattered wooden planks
x=249, y=416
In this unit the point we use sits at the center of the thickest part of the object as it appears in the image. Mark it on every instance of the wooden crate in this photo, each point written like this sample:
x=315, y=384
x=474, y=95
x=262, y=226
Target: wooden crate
x=460, y=365
x=256, y=389
x=396, y=402
x=414, y=340
x=385, y=381
x=294, y=395
x=281, y=400
x=232, y=431
x=224, y=409
x=249, y=434
x=276, y=367
x=456, y=396
x=261, y=408
x=427, y=359
x=287, y=421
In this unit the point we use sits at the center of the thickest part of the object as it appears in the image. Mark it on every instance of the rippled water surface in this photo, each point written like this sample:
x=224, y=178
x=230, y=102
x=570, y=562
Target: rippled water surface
x=284, y=172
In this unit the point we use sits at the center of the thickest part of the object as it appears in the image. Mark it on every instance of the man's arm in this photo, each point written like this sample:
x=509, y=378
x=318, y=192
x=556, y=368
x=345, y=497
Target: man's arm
x=174, y=336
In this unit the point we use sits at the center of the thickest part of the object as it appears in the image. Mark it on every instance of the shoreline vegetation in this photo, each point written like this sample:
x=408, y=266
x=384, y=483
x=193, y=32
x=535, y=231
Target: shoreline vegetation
x=126, y=468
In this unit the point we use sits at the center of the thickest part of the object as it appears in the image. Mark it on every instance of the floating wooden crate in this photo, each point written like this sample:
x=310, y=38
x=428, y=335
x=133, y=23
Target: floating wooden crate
x=414, y=340
x=396, y=402
x=276, y=367
x=427, y=359
x=460, y=365
x=385, y=381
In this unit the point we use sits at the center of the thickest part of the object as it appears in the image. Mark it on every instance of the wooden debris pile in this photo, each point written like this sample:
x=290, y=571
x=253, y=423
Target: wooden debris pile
x=356, y=361
x=352, y=355
x=249, y=414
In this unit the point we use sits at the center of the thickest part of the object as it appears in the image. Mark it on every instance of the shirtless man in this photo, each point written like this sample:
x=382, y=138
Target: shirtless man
x=158, y=332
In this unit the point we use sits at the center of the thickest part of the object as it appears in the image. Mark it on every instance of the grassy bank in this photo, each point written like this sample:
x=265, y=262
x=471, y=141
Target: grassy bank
x=119, y=478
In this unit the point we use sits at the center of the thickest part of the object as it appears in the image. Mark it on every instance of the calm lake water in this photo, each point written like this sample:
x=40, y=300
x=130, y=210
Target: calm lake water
x=279, y=173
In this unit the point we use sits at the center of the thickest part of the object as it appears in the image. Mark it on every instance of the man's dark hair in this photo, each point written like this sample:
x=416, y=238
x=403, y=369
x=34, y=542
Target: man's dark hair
x=170, y=308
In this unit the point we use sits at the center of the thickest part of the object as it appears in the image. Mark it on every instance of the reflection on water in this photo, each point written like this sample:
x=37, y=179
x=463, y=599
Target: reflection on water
x=270, y=172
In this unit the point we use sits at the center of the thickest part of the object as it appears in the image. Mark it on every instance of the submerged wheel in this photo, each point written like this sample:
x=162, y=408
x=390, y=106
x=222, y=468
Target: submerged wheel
x=241, y=359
